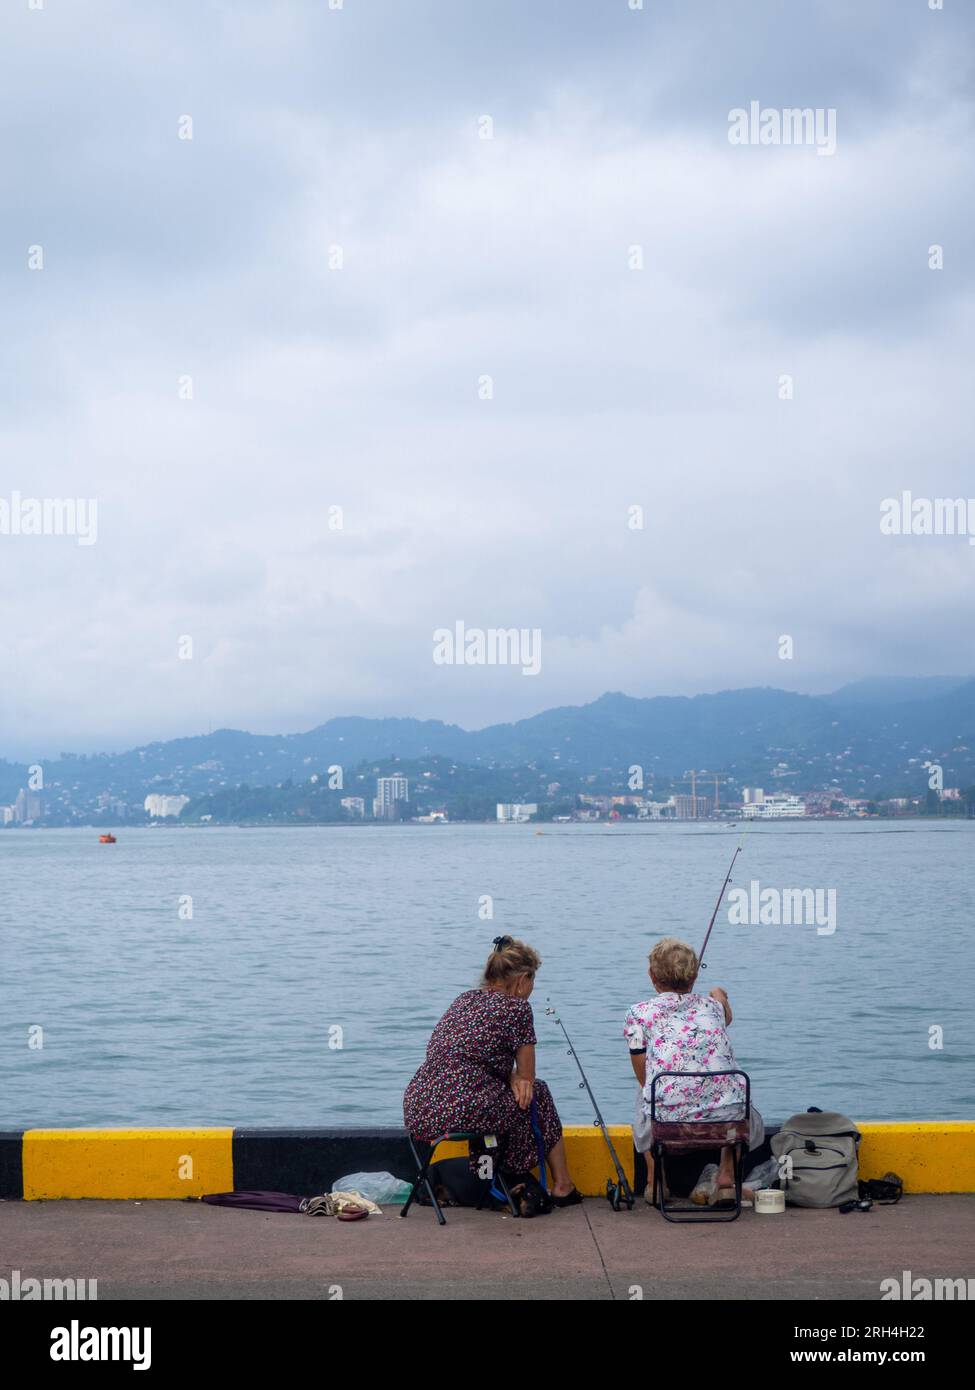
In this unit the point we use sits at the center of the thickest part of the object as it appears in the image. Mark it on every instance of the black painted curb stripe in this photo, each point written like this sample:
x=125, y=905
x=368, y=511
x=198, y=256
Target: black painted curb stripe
x=11, y=1163
x=309, y=1161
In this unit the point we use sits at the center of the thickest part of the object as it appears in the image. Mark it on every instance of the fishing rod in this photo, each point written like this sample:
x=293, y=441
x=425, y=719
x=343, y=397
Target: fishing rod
x=717, y=905
x=618, y=1193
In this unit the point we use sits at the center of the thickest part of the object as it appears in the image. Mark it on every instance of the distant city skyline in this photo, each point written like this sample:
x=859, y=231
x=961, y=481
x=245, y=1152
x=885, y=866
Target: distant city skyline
x=872, y=741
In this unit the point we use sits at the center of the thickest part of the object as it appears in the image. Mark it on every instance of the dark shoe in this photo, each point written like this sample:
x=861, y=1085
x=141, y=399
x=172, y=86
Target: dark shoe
x=571, y=1199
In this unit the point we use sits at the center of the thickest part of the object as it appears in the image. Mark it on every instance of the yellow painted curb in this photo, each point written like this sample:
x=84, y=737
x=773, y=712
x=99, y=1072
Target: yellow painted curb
x=589, y=1160
x=930, y=1155
x=127, y=1163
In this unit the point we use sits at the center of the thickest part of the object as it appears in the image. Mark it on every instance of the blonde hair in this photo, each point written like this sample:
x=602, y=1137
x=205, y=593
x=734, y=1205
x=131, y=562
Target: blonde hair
x=674, y=964
x=509, y=959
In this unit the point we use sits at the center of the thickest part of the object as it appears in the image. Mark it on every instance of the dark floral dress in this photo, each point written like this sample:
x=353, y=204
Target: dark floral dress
x=465, y=1081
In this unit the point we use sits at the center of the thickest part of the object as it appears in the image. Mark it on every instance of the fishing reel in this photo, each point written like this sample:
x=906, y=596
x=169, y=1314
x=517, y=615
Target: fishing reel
x=619, y=1195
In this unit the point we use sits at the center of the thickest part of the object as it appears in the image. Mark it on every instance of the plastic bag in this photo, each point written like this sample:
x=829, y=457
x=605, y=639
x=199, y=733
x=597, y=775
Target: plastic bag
x=378, y=1187
x=706, y=1186
x=765, y=1175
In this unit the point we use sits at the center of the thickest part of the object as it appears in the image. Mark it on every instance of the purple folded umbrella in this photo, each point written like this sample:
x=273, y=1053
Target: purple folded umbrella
x=256, y=1201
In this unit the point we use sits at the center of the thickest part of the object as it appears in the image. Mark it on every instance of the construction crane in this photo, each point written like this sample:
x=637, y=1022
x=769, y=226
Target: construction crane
x=691, y=778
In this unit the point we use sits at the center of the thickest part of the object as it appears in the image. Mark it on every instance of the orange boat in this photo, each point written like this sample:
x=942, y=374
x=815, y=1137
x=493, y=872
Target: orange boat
x=106, y=839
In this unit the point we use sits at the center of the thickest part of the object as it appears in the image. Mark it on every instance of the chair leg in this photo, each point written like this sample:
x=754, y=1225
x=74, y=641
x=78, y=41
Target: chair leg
x=422, y=1178
x=498, y=1179
x=503, y=1182
x=660, y=1178
x=404, y=1210
x=738, y=1163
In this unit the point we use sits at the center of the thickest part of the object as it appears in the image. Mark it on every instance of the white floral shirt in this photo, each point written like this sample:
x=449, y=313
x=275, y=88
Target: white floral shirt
x=686, y=1032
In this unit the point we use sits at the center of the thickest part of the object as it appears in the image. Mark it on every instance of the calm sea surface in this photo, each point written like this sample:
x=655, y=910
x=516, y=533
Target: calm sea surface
x=227, y=1018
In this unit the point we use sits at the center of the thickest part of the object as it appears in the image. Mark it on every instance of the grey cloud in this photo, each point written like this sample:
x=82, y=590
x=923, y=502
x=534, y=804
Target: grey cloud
x=358, y=388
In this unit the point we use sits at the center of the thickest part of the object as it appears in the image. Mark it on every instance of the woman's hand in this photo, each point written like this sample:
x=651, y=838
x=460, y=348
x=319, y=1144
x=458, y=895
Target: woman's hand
x=523, y=1091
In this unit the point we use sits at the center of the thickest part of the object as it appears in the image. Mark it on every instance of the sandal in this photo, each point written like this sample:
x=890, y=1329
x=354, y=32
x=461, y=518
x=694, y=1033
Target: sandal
x=571, y=1199
x=338, y=1204
x=725, y=1197
x=318, y=1206
x=351, y=1211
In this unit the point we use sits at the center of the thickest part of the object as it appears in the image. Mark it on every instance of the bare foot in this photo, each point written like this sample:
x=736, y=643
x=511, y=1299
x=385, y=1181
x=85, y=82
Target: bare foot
x=648, y=1194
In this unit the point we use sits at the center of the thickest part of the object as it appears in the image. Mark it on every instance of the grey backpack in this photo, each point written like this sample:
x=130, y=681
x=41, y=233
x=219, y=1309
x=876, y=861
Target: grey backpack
x=820, y=1153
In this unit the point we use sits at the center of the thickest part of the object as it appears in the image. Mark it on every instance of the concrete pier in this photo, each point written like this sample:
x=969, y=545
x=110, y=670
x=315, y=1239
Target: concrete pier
x=188, y=1250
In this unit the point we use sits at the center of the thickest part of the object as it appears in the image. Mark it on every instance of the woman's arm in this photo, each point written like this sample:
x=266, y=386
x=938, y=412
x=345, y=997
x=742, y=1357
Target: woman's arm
x=722, y=999
x=635, y=1036
x=523, y=1076
x=525, y=1062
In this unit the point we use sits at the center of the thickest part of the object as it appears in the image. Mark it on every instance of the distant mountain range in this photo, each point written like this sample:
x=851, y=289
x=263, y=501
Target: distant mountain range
x=871, y=737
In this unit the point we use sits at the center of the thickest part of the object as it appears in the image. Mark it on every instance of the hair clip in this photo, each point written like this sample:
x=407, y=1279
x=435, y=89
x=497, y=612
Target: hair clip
x=501, y=941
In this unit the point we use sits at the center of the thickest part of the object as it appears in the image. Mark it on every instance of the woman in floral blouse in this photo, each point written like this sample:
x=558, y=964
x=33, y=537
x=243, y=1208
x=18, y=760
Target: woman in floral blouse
x=677, y=1030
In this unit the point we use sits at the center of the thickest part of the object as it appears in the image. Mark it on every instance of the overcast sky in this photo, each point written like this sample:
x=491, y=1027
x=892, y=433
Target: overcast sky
x=208, y=258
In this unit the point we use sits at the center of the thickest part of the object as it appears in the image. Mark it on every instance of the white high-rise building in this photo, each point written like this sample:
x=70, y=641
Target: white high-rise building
x=28, y=806
x=518, y=811
x=389, y=791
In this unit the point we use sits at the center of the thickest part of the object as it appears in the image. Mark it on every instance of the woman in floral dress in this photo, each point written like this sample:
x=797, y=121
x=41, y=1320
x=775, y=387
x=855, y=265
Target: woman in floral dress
x=677, y=1030
x=479, y=1073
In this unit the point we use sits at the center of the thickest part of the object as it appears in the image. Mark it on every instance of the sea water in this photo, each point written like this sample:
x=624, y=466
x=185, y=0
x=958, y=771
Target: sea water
x=291, y=976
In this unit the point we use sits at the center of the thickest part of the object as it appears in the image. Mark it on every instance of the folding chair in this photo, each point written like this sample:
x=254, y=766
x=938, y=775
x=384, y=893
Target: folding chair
x=497, y=1180
x=684, y=1136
